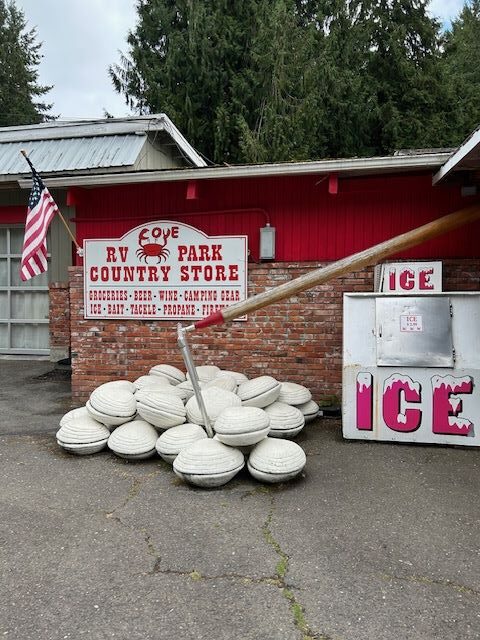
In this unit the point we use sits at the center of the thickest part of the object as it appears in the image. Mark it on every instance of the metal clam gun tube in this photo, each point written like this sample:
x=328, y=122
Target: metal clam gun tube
x=187, y=358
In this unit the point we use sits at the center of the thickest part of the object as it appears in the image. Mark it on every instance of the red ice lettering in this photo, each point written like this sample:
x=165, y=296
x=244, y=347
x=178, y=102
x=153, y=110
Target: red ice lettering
x=446, y=407
x=424, y=279
x=364, y=401
x=398, y=390
x=407, y=279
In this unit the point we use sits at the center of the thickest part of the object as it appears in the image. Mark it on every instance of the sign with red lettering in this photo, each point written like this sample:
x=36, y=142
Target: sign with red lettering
x=411, y=277
x=412, y=405
x=411, y=323
x=423, y=388
x=163, y=270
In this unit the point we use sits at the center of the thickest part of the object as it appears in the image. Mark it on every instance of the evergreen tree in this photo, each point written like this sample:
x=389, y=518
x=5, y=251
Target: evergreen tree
x=186, y=59
x=341, y=91
x=275, y=126
x=19, y=60
x=462, y=68
x=273, y=80
x=405, y=75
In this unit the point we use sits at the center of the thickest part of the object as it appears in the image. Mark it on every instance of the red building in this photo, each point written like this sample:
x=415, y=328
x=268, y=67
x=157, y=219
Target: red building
x=321, y=211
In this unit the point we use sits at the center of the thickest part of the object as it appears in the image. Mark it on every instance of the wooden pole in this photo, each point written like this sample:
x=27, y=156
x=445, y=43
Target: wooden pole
x=354, y=262
x=79, y=248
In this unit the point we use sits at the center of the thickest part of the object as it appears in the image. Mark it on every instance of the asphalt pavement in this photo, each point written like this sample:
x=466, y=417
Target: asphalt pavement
x=375, y=541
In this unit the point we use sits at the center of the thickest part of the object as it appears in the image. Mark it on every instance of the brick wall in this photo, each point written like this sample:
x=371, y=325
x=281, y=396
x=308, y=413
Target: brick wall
x=299, y=339
x=59, y=320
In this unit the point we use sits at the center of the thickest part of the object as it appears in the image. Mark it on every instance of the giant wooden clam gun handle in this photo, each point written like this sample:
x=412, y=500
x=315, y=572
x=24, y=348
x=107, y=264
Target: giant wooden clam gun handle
x=354, y=262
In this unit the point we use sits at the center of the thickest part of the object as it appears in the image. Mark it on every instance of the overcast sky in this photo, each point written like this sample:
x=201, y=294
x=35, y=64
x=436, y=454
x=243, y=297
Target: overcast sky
x=81, y=38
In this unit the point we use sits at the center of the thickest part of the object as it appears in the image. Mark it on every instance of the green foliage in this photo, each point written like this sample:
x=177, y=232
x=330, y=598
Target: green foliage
x=462, y=70
x=403, y=69
x=279, y=80
x=19, y=60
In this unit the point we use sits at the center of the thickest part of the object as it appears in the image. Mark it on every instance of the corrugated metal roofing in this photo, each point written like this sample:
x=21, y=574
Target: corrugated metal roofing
x=71, y=154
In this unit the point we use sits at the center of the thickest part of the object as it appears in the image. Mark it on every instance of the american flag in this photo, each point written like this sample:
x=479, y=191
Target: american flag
x=41, y=209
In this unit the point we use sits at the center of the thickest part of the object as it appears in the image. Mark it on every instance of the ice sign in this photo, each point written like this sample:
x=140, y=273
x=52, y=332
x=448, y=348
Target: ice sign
x=411, y=323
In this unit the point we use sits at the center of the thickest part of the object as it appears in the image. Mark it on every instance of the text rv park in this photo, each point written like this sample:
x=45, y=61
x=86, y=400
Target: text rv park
x=164, y=272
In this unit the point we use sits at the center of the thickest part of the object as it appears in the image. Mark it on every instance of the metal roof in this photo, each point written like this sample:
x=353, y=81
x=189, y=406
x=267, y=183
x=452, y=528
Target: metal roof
x=71, y=154
x=90, y=145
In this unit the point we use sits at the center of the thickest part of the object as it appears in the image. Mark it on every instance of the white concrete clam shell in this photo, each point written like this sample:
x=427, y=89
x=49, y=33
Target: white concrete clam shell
x=79, y=412
x=147, y=381
x=259, y=392
x=105, y=419
x=170, y=390
x=174, y=440
x=242, y=426
x=309, y=409
x=82, y=429
x=119, y=384
x=133, y=440
x=285, y=420
x=168, y=371
x=206, y=372
x=188, y=387
x=82, y=435
x=245, y=449
x=208, y=463
x=113, y=401
x=161, y=409
x=83, y=449
x=222, y=381
x=215, y=400
x=293, y=393
x=273, y=460
x=239, y=377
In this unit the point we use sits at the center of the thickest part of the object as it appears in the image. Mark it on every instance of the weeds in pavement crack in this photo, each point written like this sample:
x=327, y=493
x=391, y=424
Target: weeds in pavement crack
x=281, y=570
x=425, y=580
x=134, y=490
x=196, y=576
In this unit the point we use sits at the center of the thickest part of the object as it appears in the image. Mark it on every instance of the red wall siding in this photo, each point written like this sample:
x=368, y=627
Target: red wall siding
x=311, y=224
x=13, y=215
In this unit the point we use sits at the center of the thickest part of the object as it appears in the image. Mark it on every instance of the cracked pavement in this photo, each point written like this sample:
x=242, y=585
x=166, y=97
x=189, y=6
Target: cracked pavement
x=375, y=541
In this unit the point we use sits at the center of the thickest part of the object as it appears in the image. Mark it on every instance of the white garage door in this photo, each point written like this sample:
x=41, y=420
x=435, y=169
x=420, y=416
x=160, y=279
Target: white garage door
x=23, y=305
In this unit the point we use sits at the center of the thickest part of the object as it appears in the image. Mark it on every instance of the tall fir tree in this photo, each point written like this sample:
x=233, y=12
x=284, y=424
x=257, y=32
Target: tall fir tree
x=462, y=71
x=404, y=73
x=20, y=93
x=273, y=80
x=275, y=125
x=186, y=58
x=341, y=91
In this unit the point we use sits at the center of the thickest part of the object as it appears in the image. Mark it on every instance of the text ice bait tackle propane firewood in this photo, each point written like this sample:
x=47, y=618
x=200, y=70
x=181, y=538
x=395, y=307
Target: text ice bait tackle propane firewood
x=354, y=262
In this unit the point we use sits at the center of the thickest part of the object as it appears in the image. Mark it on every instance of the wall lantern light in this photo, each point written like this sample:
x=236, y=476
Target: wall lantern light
x=267, y=242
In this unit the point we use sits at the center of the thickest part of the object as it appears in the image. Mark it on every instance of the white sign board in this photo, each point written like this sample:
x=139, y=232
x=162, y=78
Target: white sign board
x=411, y=323
x=410, y=277
x=163, y=270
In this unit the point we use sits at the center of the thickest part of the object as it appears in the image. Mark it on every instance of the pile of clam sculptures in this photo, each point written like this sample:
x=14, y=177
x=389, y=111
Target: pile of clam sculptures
x=159, y=413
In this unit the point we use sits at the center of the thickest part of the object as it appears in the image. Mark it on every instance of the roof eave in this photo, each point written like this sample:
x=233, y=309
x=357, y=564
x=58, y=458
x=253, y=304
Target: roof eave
x=455, y=160
x=351, y=166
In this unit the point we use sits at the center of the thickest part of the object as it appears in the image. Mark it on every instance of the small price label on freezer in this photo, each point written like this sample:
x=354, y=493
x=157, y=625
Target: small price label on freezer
x=413, y=323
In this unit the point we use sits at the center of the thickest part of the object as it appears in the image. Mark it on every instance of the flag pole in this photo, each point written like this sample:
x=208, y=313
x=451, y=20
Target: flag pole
x=79, y=248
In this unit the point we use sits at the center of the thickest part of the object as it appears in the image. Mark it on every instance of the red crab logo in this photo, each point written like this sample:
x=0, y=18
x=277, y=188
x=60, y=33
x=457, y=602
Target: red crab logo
x=153, y=249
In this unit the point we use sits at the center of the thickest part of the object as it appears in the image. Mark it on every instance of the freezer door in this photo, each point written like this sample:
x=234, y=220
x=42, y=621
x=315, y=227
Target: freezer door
x=414, y=332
